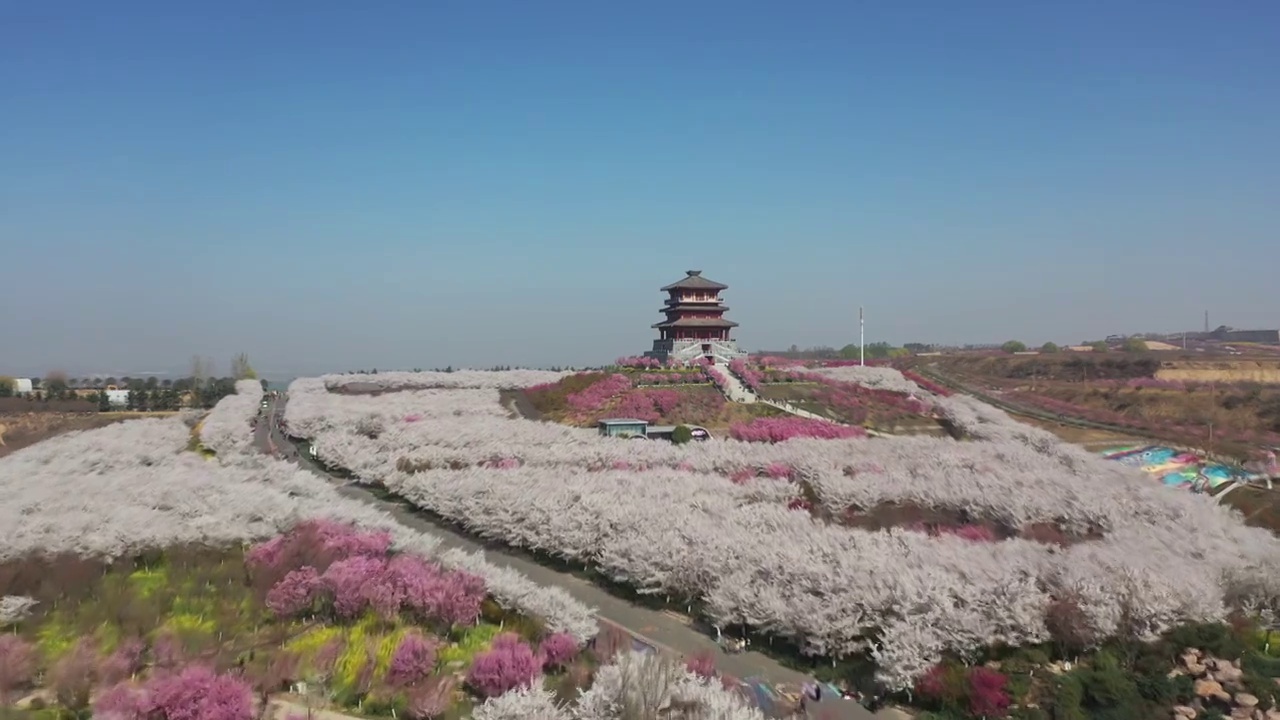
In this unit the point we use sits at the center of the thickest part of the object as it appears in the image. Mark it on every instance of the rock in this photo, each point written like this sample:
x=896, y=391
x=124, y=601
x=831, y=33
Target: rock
x=1208, y=689
x=1196, y=669
x=1189, y=659
x=1176, y=672
x=1272, y=715
x=1184, y=711
x=1191, y=651
x=1246, y=700
x=1242, y=714
x=1228, y=673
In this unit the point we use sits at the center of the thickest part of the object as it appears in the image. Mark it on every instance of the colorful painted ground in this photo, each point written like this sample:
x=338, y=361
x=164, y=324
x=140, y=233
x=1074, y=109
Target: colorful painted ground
x=1179, y=468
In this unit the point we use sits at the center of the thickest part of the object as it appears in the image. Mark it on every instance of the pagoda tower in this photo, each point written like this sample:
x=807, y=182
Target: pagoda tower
x=695, y=326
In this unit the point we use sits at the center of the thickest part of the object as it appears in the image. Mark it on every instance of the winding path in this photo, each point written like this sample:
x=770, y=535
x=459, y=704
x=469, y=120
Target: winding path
x=658, y=628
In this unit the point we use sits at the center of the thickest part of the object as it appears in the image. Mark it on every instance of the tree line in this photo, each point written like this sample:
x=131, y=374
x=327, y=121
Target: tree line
x=198, y=390
x=145, y=394
x=1130, y=345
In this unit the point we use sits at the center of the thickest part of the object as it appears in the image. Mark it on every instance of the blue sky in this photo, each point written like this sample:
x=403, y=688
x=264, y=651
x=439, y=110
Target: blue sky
x=330, y=185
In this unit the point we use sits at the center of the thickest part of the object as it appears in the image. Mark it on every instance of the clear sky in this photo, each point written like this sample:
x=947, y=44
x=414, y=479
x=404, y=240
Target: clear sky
x=332, y=185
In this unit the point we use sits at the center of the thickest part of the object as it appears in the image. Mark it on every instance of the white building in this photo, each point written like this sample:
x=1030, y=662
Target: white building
x=22, y=386
x=118, y=398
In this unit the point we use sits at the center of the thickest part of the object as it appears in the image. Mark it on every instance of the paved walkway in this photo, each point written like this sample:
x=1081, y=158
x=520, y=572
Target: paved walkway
x=734, y=388
x=738, y=392
x=662, y=629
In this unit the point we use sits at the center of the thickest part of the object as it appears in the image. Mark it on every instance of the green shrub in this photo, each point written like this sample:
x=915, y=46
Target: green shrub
x=1018, y=685
x=1110, y=692
x=1268, y=643
x=1258, y=664
x=1157, y=688
x=1068, y=698
x=382, y=704
x=1184, y=689
x=1028, y=713
x=681, y=435
x=1216, y=639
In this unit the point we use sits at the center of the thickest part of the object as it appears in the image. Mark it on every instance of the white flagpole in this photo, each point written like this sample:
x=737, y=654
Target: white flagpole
x=862, y=339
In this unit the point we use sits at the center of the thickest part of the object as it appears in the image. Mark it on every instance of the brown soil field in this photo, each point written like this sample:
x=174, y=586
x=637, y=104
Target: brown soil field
x=26, y=405
x=1110, y=389
x=27, y=429
x=1067, y=367
x=1221, y=371
x=1088, y=437
x=1260, y=506
x=1231, y=409
x=19, y=430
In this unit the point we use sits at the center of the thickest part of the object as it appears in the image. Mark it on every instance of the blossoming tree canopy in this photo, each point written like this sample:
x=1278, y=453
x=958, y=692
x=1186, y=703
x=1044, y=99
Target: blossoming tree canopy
x=698, y=522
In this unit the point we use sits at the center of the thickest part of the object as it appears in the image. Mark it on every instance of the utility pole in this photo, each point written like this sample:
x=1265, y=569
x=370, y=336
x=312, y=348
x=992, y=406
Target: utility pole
x=862, y=339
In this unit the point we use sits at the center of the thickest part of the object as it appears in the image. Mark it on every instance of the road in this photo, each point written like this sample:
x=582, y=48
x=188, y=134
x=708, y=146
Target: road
x=662, y=629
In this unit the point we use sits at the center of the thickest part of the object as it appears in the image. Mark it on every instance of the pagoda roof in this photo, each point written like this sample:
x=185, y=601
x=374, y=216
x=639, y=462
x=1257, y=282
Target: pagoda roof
x=694, y=281
x=691, y=307
x=696, y=323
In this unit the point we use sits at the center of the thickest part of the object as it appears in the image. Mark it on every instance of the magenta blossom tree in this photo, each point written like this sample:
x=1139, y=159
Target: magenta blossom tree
x=17, y=665
x=128, y=659
x=295, y=593
x=412, y=662
x=195, y=693
x=509, y=664
x=350, y=581
x=557, y=650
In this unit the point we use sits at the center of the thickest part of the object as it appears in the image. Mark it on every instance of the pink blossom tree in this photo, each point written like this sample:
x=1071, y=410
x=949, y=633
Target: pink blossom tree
x=432, y=699
x=988, y=697
x=558, y=650
x=127, y=660
x=349, y=580
x=197, y=693
x=122, y=701
x=509, y=664
x=702, y=664
x=17, y=665
x=295, y=593
x=74, y=675
x=413, y=661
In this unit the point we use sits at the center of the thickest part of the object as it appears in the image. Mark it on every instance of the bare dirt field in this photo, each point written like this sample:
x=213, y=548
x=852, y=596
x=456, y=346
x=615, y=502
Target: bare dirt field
x=1223, y=371
x=19, y=430
x=1088, y=437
